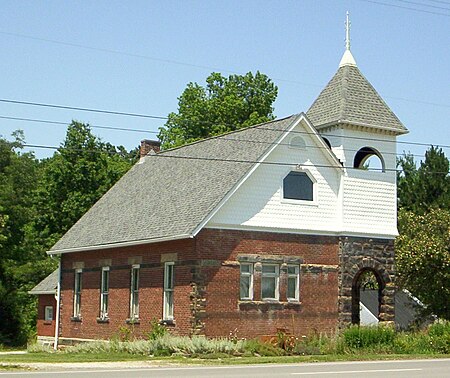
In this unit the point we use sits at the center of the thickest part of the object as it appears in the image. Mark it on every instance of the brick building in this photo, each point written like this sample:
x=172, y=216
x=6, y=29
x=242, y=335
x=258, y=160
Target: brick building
x=268, y=227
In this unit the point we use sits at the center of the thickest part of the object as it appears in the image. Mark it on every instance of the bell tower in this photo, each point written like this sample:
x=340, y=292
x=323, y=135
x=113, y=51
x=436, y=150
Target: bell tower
x=361, y=130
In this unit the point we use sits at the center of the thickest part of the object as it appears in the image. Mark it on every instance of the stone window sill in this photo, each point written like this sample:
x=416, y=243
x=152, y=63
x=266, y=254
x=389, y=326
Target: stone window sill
x=268, y=305
x=76, y=319
x=102, y=320
x=47, y=322
x=167, y=322
x=133, y=321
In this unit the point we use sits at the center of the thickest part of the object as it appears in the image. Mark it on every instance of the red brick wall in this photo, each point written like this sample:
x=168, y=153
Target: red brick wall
x=45, y=328
x=150, y=289
x=225, y=314
x=208, y=266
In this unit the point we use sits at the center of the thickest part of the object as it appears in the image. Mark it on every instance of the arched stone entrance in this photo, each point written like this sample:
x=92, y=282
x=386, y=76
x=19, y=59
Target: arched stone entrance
x=357, y=286
x=357, y=256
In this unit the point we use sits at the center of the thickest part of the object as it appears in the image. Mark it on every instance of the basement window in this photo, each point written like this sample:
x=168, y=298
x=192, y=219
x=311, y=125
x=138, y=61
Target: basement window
x=299, y=186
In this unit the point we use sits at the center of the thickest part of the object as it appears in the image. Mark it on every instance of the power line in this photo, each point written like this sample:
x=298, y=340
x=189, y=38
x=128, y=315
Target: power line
x=167, y=155
x=156, y=132
x=408, y=8
x=423, y=5
x=66, y=124
x=82, y=109
x=231, y=125
x=201, y=66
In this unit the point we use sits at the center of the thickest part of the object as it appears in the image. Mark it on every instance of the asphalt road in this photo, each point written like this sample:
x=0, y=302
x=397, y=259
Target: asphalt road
x=372, y=369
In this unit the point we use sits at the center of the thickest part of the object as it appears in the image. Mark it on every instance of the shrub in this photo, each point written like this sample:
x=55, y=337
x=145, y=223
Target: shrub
x=157, y=330
x=256, y=347
x=374, y=338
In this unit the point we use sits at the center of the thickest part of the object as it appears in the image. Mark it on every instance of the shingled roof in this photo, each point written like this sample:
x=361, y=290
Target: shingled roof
x=350, y=98
x=47, y=285
x=169, y=194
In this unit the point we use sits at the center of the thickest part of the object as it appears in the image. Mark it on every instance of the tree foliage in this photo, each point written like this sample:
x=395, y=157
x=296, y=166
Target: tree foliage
x=225, y=104
x=82, y=170
x=423, y=258
x=421, y=189
x=39, y=201
x=422, y=248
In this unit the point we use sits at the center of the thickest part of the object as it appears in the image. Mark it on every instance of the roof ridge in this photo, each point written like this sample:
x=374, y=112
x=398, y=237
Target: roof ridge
x=227, y=133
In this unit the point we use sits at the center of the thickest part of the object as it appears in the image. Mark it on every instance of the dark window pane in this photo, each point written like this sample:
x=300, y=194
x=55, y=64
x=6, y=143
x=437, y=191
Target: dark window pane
x=268, y=285
x=298, y=186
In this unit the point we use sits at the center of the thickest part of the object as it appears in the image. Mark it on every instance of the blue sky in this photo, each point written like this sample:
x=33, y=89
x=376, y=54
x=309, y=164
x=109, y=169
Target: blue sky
x=138, y=56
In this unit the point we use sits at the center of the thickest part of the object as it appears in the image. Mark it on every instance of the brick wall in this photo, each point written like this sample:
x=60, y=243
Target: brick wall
x=206, y=297
x=45, y=328
x=225, y=314
x=120, y=261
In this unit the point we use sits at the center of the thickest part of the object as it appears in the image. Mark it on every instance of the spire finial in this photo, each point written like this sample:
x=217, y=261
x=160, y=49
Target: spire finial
x=347, y=58
x=347, y=32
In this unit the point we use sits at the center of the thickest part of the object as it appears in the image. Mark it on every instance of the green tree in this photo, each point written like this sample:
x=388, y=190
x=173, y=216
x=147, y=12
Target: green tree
x=421, y=189
x=81, y=171
x=18, y=178
x=225, y=104
x=423, y=258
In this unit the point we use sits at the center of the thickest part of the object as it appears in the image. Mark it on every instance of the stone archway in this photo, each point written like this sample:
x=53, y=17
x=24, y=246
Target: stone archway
x=359, y=255
x=356, y=292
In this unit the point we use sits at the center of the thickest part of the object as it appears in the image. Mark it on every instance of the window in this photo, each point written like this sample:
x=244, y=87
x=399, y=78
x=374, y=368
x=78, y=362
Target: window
x=77, y=294
x=298, y=186
x=104, y=293
x=246, y=281
x=134, y=292
x=292, y=283
x=48, y=313
x=168, y=290
x=269, y=281
x=297, y=142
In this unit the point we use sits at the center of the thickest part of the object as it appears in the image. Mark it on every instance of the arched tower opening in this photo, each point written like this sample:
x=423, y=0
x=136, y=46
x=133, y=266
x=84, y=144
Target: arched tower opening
x=369, y=158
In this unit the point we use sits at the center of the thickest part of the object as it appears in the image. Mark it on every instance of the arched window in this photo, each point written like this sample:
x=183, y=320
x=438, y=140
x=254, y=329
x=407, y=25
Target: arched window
x=369, y=159
x=297, y=142
x=327, y=142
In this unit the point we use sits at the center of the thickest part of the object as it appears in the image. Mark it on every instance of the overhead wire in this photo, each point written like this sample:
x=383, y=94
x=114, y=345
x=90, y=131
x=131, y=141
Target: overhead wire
x=187, y=157
x=224, y=137
x=404, y=7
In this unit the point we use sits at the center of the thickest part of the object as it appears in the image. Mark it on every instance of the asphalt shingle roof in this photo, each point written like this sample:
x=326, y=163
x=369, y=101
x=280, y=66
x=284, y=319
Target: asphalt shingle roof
x=47, y=285
x=350, y=98
x=172, y=192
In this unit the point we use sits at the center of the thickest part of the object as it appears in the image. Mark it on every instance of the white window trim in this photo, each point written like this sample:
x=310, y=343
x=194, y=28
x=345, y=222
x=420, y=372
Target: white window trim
x=167, y=290
x=103, y=294
x=295, y=275
x=77, y=293
x=48, y=309
x=246, y=274
x=314, y=202
x=134, y=307
x=275, y=275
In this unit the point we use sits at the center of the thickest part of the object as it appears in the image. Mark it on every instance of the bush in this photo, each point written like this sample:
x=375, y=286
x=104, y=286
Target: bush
x=373, y=338
x=256, y=347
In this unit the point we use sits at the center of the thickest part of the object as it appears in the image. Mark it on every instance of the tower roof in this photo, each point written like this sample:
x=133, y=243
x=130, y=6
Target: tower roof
x=350, y=98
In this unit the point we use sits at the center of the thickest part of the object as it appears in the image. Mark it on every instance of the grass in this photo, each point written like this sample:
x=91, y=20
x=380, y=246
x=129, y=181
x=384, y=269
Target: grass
x=352, y=344
x=216, y=360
